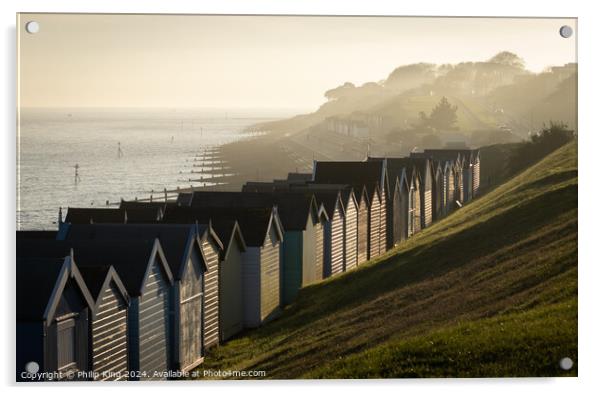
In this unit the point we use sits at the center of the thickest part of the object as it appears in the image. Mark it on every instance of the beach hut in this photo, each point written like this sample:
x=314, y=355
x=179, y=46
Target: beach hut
x=470, y=162
x=192, y=253
x=230, y=266
x=108, y=345
x=350, y=226
x=363, y=217
x=476, y=171
x=400, y=208
x=422, y=164
x=333, y=232
x=263, y=234
x=299, y=215
x=53, y=309
x=147, y=278
x=230, y=278
x=438, y=190
x=108, y=329
x=414, y=203
x=448, y=186
x=371, y=175
x=144, y=271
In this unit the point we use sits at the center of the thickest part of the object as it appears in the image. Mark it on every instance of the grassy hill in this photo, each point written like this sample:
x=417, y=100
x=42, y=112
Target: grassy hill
x=490, y=290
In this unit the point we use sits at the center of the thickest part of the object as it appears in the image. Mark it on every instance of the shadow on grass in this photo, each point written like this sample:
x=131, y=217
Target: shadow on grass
x=425, y=261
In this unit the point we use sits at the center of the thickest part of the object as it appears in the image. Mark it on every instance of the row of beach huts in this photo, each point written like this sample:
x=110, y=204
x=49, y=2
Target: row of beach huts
x=144, y=290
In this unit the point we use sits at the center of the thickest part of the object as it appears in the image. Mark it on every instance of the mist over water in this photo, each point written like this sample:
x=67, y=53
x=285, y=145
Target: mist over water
x=157, y=151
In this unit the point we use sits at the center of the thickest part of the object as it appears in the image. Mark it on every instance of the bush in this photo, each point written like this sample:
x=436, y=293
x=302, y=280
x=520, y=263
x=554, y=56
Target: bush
x=542, y=143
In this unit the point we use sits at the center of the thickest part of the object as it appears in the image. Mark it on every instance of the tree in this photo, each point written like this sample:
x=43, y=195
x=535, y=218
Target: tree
x=339, y=91
x=508, y=59
x=443, y=116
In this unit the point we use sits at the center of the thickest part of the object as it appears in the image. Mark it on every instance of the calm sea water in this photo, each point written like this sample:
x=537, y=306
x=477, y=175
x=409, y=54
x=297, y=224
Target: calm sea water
x=157, y=151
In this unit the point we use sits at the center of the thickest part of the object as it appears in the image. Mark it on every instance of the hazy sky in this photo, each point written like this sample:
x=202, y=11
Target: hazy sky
x=252, y=62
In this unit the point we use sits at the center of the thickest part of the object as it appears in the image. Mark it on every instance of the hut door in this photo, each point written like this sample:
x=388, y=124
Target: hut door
x=66, y=345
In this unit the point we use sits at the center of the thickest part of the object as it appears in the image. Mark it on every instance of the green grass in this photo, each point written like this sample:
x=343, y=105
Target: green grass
x=488, y=291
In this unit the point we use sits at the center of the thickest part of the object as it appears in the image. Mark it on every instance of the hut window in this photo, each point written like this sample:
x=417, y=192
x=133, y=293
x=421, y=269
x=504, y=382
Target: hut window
x=66, y=344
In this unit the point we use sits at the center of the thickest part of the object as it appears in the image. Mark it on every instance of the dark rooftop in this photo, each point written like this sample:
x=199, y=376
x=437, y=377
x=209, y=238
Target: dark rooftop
x=173, y=238
x=95, y=215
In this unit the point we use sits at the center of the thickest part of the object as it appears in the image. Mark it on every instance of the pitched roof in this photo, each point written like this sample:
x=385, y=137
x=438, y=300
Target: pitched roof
x=254, y=221
x=299, y=177
x=176, y=240
x=420, y=164
x=129, y=258
x=143, y=214
x=77, y=215
x=356, y=174
x=129, y=204
x=293, y=208
x=36, y=279
x=223, y=226
x=40, y=263
x=467, y=156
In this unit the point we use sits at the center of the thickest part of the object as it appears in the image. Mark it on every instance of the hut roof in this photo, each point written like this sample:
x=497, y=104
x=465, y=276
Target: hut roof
x=42, y=265
x=177, y=241
x=357, y=174
x=225, y=228
x=36, y=279
x=143, y=214
x=466, y=156
x=293, y=208
x=95, y=215
x=254, y=221
x=129, y=258
x=129, y=204
x=419, y=164
x=299, y=177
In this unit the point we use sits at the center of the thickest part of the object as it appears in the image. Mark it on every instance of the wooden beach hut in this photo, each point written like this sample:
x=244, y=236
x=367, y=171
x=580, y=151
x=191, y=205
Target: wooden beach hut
x=470, y=162
x=192, y=253
x=414, y=203
x=334, y=232
x=230, y=266
x=147, y=278
x=363, y=217
x=108, y=329
x=263, y=234
x=108, y=345
x=398, y=197
x=372, y=176
x=299, y=215
x=424, y=168
x=351, y=218
x=54, y=307
x=449, y=186
x=438, y=190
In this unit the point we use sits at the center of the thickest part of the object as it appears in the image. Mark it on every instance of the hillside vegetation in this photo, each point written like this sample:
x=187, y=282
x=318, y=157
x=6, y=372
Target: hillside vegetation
x=491, y=290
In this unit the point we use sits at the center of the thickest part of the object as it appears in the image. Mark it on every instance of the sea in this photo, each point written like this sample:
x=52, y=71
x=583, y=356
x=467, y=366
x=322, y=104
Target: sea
x=116, y=153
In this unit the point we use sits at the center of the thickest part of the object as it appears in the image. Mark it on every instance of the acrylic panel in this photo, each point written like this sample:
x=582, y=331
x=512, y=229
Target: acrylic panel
x=385, y=197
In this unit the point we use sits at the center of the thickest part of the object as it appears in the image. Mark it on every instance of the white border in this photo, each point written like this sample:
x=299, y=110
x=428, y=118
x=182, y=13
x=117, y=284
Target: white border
x=589, y=141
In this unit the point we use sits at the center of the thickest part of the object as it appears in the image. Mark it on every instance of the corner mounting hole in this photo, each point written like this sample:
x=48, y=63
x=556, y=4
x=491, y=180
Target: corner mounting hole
x=32, y=27
x=566, y=31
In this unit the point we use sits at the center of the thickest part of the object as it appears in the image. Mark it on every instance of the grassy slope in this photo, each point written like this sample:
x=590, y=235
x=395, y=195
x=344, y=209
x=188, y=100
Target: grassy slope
x=490, y=290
